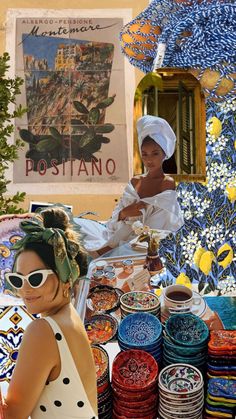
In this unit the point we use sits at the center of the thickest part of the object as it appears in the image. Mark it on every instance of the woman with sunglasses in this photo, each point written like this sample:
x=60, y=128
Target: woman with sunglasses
x=54, y=376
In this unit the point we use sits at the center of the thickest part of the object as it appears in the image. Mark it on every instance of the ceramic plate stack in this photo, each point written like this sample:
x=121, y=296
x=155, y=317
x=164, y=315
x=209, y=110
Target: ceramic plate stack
x=185, y=340
x=221, y=371
x=140, y=301
x=134, y=384
x=221, y=392
x=103, y=382
x=141, y=331
x=222, y=353
x=181, y=392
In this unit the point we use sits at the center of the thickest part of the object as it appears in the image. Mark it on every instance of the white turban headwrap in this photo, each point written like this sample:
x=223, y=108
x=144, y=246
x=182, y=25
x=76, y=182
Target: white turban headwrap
x=159, y=130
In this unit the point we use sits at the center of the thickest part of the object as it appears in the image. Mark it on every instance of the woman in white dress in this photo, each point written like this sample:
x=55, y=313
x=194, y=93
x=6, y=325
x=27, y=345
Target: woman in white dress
x=150, y=198
x=55, y=375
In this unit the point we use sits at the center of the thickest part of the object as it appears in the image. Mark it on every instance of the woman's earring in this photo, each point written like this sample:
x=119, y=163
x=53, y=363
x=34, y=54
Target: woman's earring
x=66, y=293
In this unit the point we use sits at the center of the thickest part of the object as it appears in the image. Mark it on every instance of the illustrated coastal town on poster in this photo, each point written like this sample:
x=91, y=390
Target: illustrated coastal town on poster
x=74, y=90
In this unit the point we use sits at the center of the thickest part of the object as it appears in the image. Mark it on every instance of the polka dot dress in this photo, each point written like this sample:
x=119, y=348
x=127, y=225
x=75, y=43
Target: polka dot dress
x=64, y=398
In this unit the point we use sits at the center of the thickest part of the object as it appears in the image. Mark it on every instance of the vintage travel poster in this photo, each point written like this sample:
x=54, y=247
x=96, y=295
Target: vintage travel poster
x=75, y=128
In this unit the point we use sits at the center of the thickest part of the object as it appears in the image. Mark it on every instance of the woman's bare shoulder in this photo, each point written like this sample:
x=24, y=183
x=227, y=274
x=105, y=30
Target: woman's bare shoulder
x=168, y=183
x=134, y=181
x=38, y=331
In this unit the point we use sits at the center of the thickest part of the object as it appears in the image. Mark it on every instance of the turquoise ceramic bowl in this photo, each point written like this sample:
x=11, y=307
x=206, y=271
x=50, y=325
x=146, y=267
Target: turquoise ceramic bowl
x=172, y=354
x=183, y=350
x=187, y=330
x=192, y=361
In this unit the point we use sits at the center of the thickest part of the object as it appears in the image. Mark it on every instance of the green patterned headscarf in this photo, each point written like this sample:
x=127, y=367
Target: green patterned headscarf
x=64, y=250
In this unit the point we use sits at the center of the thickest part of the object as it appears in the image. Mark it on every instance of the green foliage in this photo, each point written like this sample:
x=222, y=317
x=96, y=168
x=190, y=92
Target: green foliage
x=86, y=139
x=92, y=126
x=9, y=89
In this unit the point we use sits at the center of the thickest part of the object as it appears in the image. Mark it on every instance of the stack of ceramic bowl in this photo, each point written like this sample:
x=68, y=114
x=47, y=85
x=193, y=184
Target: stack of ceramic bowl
x=139, y=301
x=103, y=382
x=181, y=392
x=185, y=340
x=134, y=385
x=221, y=371
x=141, y=331
x=221, y=398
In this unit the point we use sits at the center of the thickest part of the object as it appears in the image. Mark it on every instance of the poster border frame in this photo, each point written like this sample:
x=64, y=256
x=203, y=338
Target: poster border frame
x=64, y=188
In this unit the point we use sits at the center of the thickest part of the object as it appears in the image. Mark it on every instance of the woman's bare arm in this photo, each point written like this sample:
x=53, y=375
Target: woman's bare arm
x=131, y=210
x=37, y=356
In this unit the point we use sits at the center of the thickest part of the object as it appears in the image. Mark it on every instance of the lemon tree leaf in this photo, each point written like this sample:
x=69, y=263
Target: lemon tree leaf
x=223, y=255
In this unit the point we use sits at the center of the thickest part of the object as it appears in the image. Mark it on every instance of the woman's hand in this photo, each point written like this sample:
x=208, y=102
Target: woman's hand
x=131, y=210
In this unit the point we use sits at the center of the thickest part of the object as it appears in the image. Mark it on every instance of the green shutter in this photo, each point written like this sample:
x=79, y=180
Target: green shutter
x=186, y=131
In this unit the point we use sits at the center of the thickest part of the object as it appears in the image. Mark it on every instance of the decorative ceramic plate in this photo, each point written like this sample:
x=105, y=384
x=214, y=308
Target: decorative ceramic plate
x=10, y=232
x=215, y=404
x=103, y=299
x=189, y=413
x=101, y=328
x=230, y=368
x=174, y=401
x=134, y=369
x=222, y=387
x=101, y=361
x=164, y=415
x=181, y=398
x=126, y=312
x=186, y=329
x=180, y=378
x=222, y=340
x=139, y=300
x=140, y=329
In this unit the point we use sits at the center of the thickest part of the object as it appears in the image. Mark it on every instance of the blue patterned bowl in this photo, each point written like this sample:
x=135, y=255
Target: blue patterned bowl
x=152, y=346
x=187, y=330
x=126, y=346
x=140, y=329
x=156, y=354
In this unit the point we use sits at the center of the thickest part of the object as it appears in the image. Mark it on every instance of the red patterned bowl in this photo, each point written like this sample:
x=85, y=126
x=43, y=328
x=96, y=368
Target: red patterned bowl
x=143, y=404
x=133, y=396
x=125, y=415
x=134, y=413
x=134, y=370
